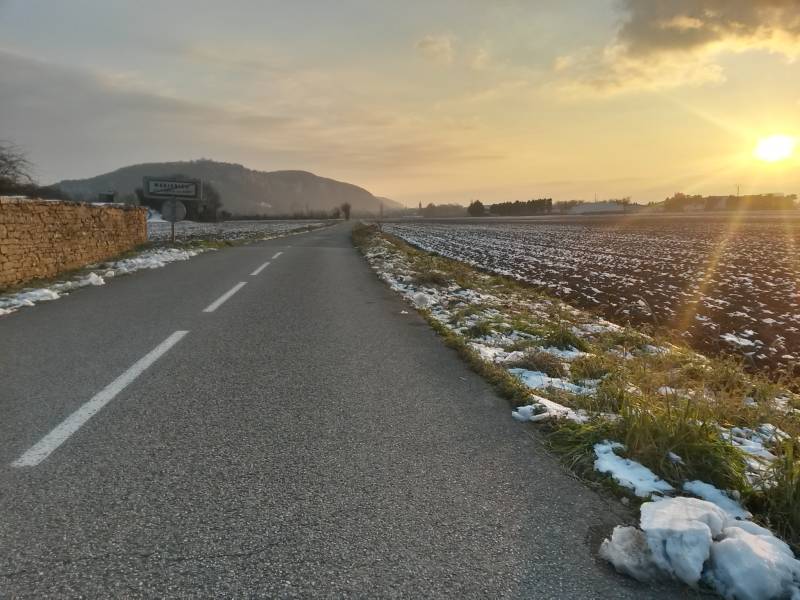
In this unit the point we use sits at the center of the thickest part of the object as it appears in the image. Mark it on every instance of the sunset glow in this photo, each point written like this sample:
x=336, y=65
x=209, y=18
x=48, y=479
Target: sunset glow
x=434, y=102
x=775, y=148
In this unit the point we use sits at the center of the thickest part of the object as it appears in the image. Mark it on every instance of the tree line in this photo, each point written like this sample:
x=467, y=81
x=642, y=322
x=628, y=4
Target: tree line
x=541, y=206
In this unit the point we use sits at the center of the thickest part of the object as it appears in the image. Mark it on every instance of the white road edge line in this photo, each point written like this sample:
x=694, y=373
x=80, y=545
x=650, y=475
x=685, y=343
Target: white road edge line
x=49, y=443
x=221, y=300
x=277, y=254
x=259, y=269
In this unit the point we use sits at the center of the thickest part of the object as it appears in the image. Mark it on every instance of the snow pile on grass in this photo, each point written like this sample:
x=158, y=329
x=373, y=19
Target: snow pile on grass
x=536, y=380
x=545, y=410
x=755, y=443
x=695, y=541
x=628, y=473
x=708, y=492
x=150, y=259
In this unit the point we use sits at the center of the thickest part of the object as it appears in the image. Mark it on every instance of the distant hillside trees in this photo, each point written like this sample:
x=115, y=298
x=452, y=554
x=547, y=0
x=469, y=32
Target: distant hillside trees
x=346, y=210
x=687, y=203
x=476, y=209
x=542, y=206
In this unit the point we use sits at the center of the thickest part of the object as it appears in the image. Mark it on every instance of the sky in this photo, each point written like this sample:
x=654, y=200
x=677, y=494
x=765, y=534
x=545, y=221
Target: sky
x=419, y=101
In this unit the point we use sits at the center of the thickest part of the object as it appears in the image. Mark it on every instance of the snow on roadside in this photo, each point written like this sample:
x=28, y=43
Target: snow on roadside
x=149, y=259
x=705, y=540
x=536, y=380
x=160, y=231
x=543, y=409
x=695, y=541
x=709, y=493
x=628, y=473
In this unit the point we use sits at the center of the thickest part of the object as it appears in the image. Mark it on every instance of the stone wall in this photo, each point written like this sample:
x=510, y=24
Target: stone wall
x=42, y=238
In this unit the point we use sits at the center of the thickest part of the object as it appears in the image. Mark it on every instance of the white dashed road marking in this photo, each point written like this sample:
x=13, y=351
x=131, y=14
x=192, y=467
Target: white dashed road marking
x=221, y=300
x=259, y=269
x=49, y=443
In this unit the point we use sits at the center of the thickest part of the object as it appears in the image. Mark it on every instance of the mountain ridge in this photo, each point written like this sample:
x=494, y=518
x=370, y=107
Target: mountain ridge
x=244, y=191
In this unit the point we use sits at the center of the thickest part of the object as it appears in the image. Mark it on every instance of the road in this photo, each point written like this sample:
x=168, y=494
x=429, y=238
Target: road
x=224, y=428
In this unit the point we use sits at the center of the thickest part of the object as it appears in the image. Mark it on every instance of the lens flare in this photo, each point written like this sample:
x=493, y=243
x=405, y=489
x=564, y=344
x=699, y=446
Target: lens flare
x=775, y=148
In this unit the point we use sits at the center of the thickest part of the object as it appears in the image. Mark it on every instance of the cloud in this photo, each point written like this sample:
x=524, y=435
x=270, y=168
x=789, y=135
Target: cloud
x=663, y=45
x=481, y=59
x=79, y=123
x=437, y=48
x=690, y=25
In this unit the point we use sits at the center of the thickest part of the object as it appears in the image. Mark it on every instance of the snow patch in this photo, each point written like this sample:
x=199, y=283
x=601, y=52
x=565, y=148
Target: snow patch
x=150, y=259
x=536, y=380
x=708, y=492
x=545, y=410
x=628, y=473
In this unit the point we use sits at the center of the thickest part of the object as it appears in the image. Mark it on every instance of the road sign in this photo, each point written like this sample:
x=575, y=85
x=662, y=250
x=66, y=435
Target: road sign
x=173, y=211
x=185, y=189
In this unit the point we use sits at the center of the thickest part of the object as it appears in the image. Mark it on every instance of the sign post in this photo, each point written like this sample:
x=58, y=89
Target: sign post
x=171, y=190
x=173, y=211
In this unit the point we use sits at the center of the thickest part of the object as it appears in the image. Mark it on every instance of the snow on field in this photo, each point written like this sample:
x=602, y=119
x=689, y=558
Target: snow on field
x=695, y=541
x=160, y=231
x=737, y=291
x=150, y=259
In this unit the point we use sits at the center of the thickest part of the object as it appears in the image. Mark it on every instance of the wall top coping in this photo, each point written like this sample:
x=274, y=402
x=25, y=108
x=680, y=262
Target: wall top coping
x=26, y=200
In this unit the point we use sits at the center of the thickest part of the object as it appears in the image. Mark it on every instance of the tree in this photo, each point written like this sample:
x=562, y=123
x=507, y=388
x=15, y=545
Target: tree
x=15, y=177
x=476, y=209
x=211, y=204
x=336, y=213
x=14, y=169
x=346, y=211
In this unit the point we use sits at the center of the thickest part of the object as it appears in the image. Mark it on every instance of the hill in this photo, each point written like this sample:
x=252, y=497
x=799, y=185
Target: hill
x=244, y=191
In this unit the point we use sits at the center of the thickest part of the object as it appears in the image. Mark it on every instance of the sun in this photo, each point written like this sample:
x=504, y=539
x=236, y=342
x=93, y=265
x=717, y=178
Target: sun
x=775, y=148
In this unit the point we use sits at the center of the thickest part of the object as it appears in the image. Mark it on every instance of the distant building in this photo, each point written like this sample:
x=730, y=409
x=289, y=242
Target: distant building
x=607, y=207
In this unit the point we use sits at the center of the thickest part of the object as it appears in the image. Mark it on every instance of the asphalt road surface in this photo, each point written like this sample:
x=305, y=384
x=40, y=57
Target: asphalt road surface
x=222, y=428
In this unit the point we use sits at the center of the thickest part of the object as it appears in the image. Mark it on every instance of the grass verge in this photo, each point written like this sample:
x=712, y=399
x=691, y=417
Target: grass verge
x=683, y=415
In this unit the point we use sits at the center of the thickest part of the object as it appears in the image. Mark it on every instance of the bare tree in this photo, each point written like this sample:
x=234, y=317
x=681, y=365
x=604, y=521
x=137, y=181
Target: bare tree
x=379, y=222
x=14, y=168
x=346, y=211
